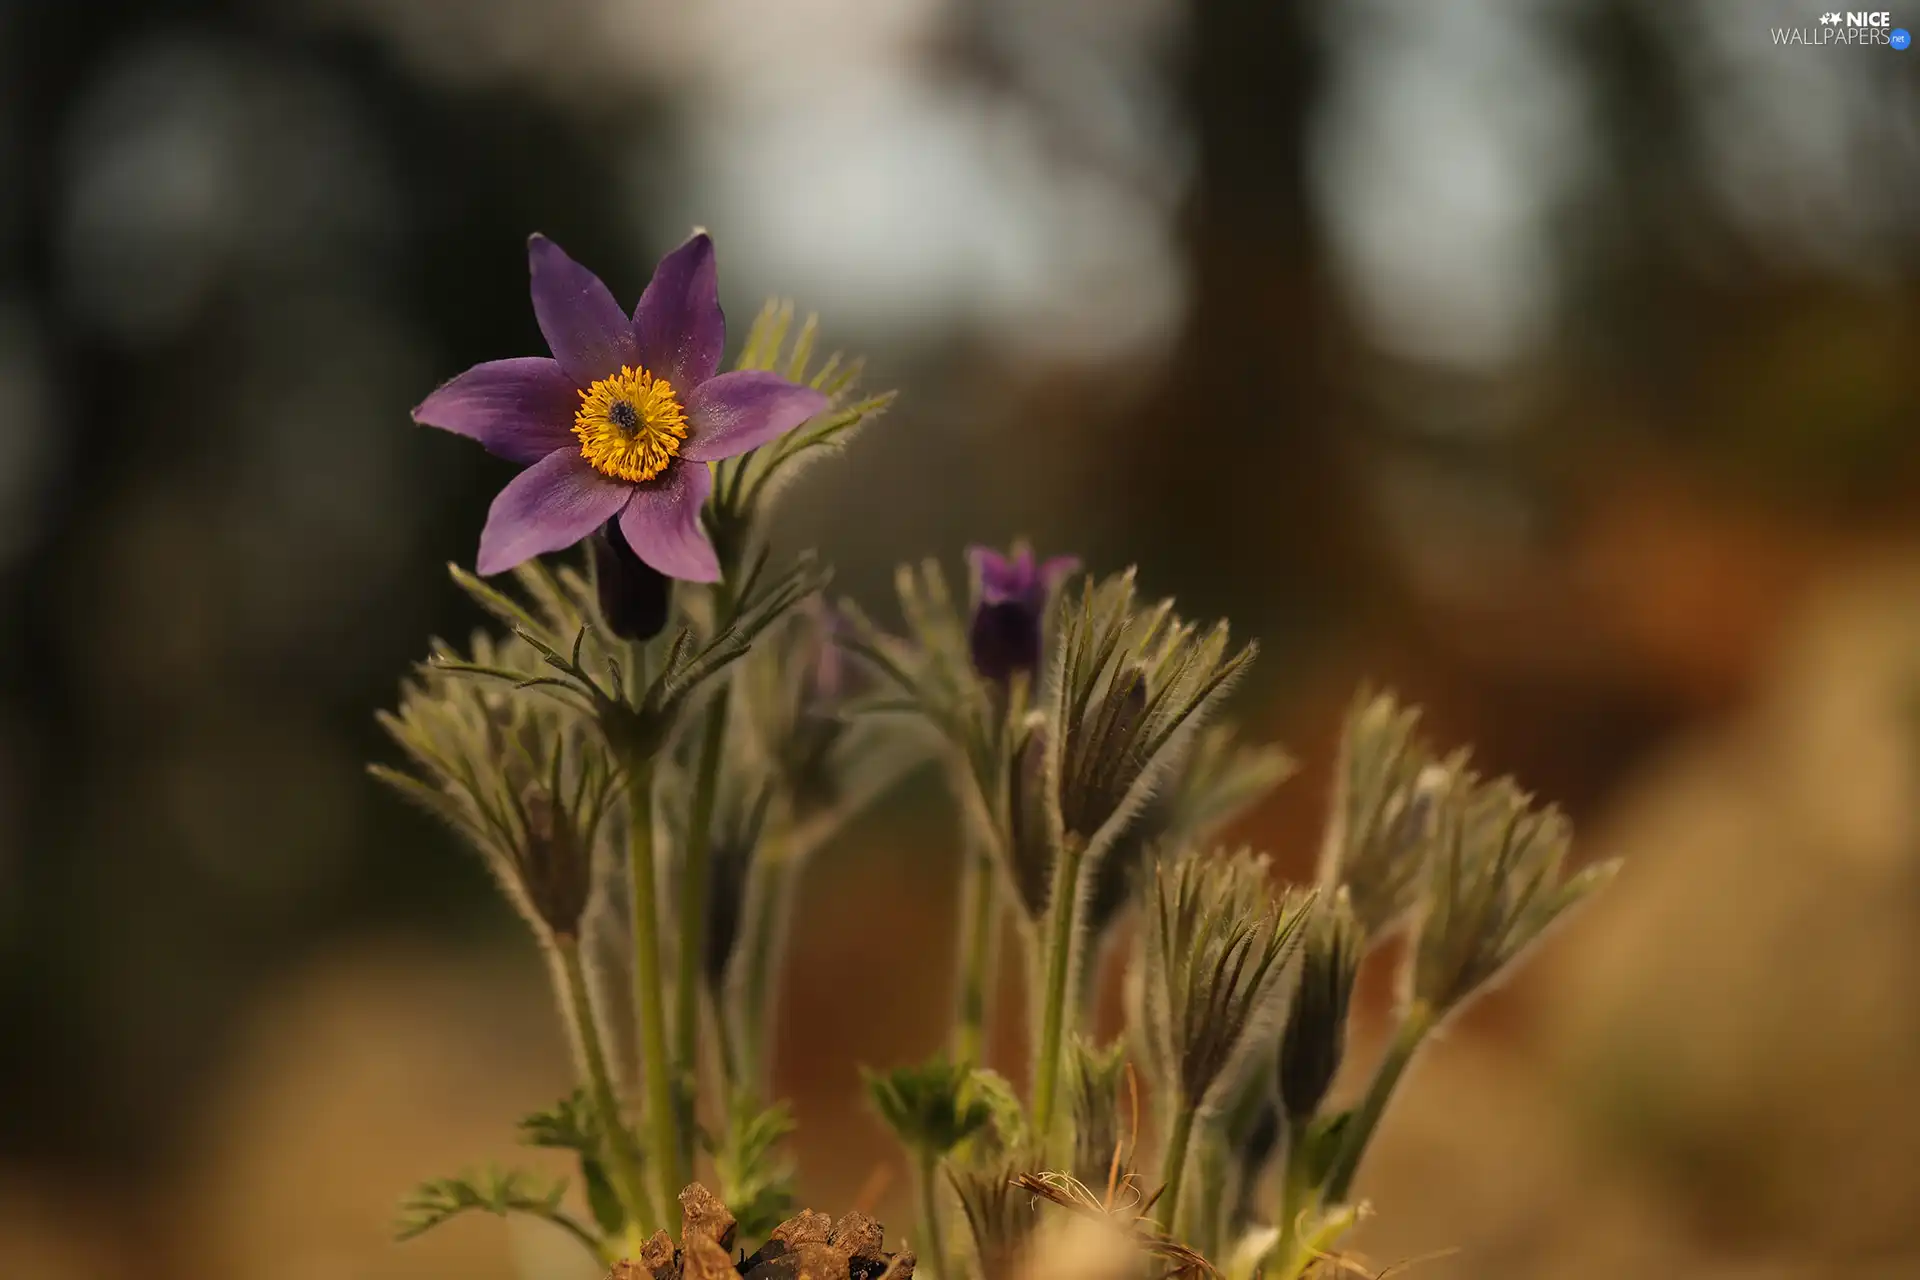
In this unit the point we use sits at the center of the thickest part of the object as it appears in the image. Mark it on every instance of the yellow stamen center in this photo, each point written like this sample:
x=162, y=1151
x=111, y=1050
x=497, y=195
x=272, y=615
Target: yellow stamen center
x=630, y=425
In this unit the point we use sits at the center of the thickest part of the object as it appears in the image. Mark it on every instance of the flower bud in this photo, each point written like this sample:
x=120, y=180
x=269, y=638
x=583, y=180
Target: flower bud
x=1316, y=1032
x=1094, y=1077
x=1497, y=881
x=807, y=752
x=633, y=594
x=1003, y=638
x=1009, y=617
x=1001, y=1216
x=1105, y=758
x=1217, y=945
x=1029, y=836
x=556, y=866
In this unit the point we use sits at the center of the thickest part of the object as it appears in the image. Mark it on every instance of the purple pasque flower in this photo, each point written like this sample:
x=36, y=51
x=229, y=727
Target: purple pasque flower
x=1011, y=610
x=622, y=421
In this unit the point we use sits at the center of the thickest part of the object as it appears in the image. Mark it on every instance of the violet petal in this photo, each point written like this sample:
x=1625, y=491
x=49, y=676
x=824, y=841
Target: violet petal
x=588, y=332
x=678, y=327
x=662, y=523
x=1000, y=577
x=551, y=505
x=738, y=411
x=520, y=409
x=1057, y=569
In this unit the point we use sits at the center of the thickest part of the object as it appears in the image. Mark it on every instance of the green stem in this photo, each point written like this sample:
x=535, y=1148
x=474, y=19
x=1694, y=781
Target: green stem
x=622, y=1152
x=723, y=1043
x=1173, y=1165
x=762, y=935
x=1413, y=1030
x=663, y=1119
x=976, y=959
x=696, y=879
x=1089, y=977
x=935, y=1250
x=1294, y=1196
x=1063, y=912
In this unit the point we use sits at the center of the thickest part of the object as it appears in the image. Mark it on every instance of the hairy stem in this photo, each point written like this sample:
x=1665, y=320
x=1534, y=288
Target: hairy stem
x=762, y=937
x=976, y=958
x=696, y=879
x=934, y=1241
x=1295, y=1193
x=1063, y=912
x=1173, y=1165
x=622, y=1152
x=657, y=1069
x=1366, y=1117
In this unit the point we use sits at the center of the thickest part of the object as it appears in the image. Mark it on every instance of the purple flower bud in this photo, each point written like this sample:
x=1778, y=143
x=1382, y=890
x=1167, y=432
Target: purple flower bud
x=1010, y=614
x=633, y=594
x=807, y=756
x=555, y=865
x=827, y=681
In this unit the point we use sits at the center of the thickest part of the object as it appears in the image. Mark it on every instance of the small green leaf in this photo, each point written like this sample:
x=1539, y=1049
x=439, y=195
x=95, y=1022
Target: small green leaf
x=756, y=1178
x=496, y=1191
x=568, y=1125
x=571, y=1125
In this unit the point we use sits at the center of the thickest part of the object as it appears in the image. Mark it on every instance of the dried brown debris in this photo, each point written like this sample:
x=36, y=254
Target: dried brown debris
x=807, y=1246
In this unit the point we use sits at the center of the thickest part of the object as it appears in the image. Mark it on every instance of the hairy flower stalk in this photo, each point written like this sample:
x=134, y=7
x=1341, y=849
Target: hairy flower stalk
x=1101, y=1156
x=803, y=744
x=522, y=785
x=740, y=827
x=696, y=872
x=932, y=1109
x=1130, y=684
x=1215, y=956
x=1215, y=782
x=634, y=695
x=765, y=934
x=1311, y=1049
x=1006, y=643
x=621, y=1151
x=979, y=914
x=650, y=1015
x=1001, y=1215
x=1494, y=884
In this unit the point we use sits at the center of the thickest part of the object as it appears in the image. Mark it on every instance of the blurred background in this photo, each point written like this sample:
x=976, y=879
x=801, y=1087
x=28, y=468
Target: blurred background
x=1552, y=361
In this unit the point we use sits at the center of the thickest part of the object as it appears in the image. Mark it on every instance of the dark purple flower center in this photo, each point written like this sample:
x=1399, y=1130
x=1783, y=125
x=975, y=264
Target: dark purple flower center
x=623, y=415
x=1005, y=638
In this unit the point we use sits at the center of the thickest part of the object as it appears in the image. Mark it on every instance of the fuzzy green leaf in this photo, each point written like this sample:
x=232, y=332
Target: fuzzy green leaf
x=496, y=1191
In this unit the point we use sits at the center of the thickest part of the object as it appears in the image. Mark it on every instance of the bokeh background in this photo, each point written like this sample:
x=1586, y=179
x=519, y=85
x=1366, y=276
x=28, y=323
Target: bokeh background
x=1553, y=361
